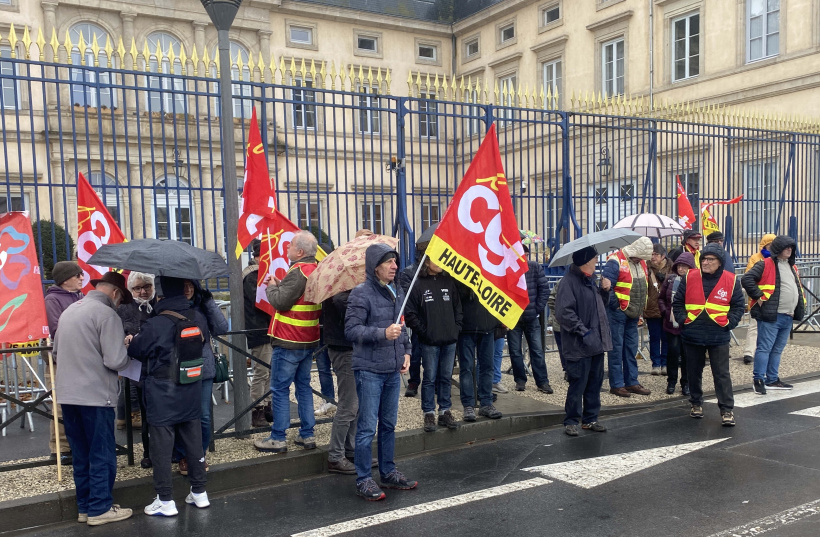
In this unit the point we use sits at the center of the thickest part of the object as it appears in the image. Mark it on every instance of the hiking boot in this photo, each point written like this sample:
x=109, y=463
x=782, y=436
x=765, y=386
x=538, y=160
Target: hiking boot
x=369, y=490
x=670, y=389
x=158, y=508
x=728, y=419
x=447, y=420
x=489, y=411
x=638, y=389
x=269, y=445
x=469, y=413
x=747, y=359
x=520, y=386
x=779, y=385
x=656, y=371
x=594, y=426
x=696, y=412
x=307, y=443
x=545, y=388
x=343, y=466
x=115, y=514
x=412, y=390
x=759, y=387
x=183, y=466
x=571, y=430
x=684, y=389
x=82, y=518
x=268, y=413
x=258, y=417
x=620, y=392
x=498, y=388
x=199, y=499
x=429, y=422
x=396, y=480
x=326, y=409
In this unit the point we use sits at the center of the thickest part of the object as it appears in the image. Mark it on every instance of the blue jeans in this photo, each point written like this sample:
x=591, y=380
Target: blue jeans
x=584, y=394
x=771, y=340
x=205, y=421
x=532, y=331
x=498, y=356
x=325, y=374
x=415, y=361
x=657, y=342
x=291, y=367
x=557, y=336
x=472, y=348
x=438, y=365
x=623, y=366
x=378, y=407
x=90, y=432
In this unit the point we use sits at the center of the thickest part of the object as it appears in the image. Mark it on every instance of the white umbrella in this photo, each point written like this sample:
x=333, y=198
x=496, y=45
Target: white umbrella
x=651, y=225
x=603, y=242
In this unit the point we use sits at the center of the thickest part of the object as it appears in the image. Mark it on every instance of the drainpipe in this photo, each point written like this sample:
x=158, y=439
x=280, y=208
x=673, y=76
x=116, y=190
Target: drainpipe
x=651, y=55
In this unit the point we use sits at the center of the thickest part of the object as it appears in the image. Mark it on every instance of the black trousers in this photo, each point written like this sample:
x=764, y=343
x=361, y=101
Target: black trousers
x=162, y=444
x=675, y=357
x=719, y=362
x=584, y=394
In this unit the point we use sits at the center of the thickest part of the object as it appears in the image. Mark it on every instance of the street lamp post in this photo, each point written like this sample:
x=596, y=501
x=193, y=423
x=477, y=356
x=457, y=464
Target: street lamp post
x=222, y=13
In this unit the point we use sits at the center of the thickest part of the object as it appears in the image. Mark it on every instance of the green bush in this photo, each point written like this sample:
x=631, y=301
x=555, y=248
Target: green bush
x=51, y=234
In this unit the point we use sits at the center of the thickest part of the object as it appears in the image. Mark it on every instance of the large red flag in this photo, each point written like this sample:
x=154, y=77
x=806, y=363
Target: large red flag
x=477, y=240
x=95, y=227
x=22, y=307
x=708, y=221
x=258, y=194
x=686, y=216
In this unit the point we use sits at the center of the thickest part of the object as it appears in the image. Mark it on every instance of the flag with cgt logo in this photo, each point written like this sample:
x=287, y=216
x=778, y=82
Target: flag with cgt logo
x=477, y=240
x=95, y=227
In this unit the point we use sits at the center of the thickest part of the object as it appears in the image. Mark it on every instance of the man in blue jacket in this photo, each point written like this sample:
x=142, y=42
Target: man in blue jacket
x=381, y=352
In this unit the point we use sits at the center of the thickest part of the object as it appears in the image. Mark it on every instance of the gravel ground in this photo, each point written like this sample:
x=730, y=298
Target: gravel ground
x=796, y=360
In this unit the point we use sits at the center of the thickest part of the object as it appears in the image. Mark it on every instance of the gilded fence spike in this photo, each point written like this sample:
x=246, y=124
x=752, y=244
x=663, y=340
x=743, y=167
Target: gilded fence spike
x=240, y=65
x=519, y=95
x=453, y=86
x=418, y=81
x=351, y=77
x=533, y=96
x=95, y=49
x=146, y=55
x=109, y=51
x=55, y=44
x=333, y=74
x=360, y=78
x=303, y=70
x=13, y=40
x=281, y=69
x=171, y=57
x=251, y=66
x=427, y=84
x=260, y=64
x=216, y=61
x=195, y=59
x=387, y=81
x=160, y=56
x=183, y=58
x=548, y=96
x=133, y=52
x=67, y=44
x=379, y=79
x=41, y=44
x=323, y=73
x=292, y=68
x=27, y=42
x=435, y=85
x=312, y=72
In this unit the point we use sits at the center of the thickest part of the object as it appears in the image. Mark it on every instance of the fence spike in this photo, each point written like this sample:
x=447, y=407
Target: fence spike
x=55, y=45
x=13, y=40
x=453, y=86
x=251, y=66
x=370, y=78
x=351, y=77
x=533, y=97
x=109, y=51
x=260, y=64
x=548, y=103
x=240, y=65
x=41, y=44
x=323, y=73
x=486, y=89
x=68, y=45
x=312, y=72
x=95, y=49
x=146, y=55
x=133, y=52
x=27, y=42
x=171, y=57
x=303, y=70
x=183, y=58
x=195, y=59
x=496, y=93
x=519, y=95
x=435, y=85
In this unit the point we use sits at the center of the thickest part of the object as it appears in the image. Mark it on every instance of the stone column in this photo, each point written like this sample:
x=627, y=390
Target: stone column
x=264, y=46
x=128, y=62
x=50, y=19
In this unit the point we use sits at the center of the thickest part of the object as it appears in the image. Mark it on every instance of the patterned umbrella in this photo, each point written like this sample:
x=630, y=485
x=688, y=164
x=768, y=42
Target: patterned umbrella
x=651, y=225
x=343, y=269
x=529, y=237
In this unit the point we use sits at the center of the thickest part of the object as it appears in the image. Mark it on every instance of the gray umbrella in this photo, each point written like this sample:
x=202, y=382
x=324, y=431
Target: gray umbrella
x=163, y=258
x=427, y=234
x=603, y=242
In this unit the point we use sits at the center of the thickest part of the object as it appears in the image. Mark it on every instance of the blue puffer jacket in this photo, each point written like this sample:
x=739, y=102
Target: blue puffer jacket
x=538, y=289
x=371, y=308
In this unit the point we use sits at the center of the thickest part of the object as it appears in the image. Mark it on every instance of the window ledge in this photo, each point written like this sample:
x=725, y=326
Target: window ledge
x=505, y=59
x=610, y=20
x=560, y=40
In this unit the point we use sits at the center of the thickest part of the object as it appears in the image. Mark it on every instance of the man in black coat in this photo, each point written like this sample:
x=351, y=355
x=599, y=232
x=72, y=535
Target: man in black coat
x=585, y=337
x=529, y=326
x=258, y=340
x=708, y=305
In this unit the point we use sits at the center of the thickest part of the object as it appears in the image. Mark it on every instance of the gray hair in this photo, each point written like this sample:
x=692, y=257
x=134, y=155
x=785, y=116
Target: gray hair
x=136, y=277
x=305, y=241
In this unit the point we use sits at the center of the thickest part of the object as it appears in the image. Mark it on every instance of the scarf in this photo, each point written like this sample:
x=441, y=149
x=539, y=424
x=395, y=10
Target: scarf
x=687, y=248
x=144, y=305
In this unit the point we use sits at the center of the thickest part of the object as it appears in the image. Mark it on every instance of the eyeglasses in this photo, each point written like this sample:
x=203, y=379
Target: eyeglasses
x=80, y=275
x=142, y=288
x=709, y=259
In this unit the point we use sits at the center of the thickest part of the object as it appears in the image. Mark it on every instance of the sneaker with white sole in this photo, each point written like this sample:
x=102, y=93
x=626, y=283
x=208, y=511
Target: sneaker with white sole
x=200, y=500
x=499, y=388
x=160, y=508
x=269, y=445
x=778, y=385
x=759, y=387
x=327, y=409
x=306, y=443
x=115, y=514
x=728, y=419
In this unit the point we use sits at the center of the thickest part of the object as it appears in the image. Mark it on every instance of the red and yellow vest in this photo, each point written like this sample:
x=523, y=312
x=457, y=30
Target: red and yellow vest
x=717, y=305
x=768, y=280
x=624, y=284
x=300, y=324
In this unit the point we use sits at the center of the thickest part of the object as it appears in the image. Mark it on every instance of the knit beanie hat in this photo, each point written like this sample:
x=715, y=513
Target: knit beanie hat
x=584, y=256
x=387, y=257
x=63, y=270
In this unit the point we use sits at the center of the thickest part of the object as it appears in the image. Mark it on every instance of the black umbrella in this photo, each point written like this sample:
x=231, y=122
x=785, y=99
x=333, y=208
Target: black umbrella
x=427, y=234
x=162, y=258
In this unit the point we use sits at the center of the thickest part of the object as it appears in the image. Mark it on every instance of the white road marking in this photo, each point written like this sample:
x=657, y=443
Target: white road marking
x=773, y=522
x=422, y=508
x=748, y=399
x=814, y=412
x=589, y=473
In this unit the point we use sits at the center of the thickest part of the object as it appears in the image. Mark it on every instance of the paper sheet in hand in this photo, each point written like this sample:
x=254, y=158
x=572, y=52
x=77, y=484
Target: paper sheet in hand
x=133, y=370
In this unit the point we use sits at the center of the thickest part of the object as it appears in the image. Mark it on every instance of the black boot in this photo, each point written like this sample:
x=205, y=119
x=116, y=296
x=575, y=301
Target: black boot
x=684, y=388
x=268, y=413
x=258, y=418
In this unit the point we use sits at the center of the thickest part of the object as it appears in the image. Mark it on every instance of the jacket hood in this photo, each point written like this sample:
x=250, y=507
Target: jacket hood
x=716, y=250
x=766, y=240
x=780, y=243
x=374, y=254
x=686, y=259
x=641, y=248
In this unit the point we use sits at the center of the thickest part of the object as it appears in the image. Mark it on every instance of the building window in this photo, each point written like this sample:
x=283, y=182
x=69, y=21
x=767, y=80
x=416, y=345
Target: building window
x=13, y=202
x=762, y=29
x=612, y=67
x=301, y=34
x=686, y=47
x=760, y=200
x=10, y=94
x=430, y=214
x=552, y=80
x=507, y=87
x=369, y=44
x=310, y=215
x=428, y=116
x=303, y=109
x=167, y=95
x=550, y=14
x=471, y=47
x=428, y=52
x=369, y=103
x=373, y=217
x=106, y=188
x=85, y=91
x=174, y=218
x=506, y=33
x=691, y=183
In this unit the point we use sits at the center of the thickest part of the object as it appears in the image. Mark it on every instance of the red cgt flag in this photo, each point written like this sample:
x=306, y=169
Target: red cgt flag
x=710, y=225
x=95, y=227
x=686, y=216
x=22, y=307
x=258, y=194
x=477, y=240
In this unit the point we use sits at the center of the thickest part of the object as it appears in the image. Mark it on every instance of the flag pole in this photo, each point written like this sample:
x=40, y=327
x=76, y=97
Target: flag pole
x=54, y=413
x=412, y=283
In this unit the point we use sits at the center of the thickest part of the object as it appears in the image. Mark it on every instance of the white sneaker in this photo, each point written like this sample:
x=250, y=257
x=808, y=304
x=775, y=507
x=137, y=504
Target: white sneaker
x=325, y=410
x=200, y=500
x=498, y=388
x=161, y=508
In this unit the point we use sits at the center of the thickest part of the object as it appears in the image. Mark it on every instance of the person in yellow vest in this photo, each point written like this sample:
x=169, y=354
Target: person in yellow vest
x=691, y=243
x=778, y=300
x=708, y=305
x=751, y=333
x=628, y=276
x=295, y=336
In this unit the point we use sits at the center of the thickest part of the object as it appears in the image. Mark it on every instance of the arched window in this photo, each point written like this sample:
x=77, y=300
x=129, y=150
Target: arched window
x=242, y=107
x=90, y=84
x=174, y=209
x=169, y=98
x=106, y=188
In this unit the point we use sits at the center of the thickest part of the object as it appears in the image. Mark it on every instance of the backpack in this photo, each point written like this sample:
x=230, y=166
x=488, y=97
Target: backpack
x=186, y=361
